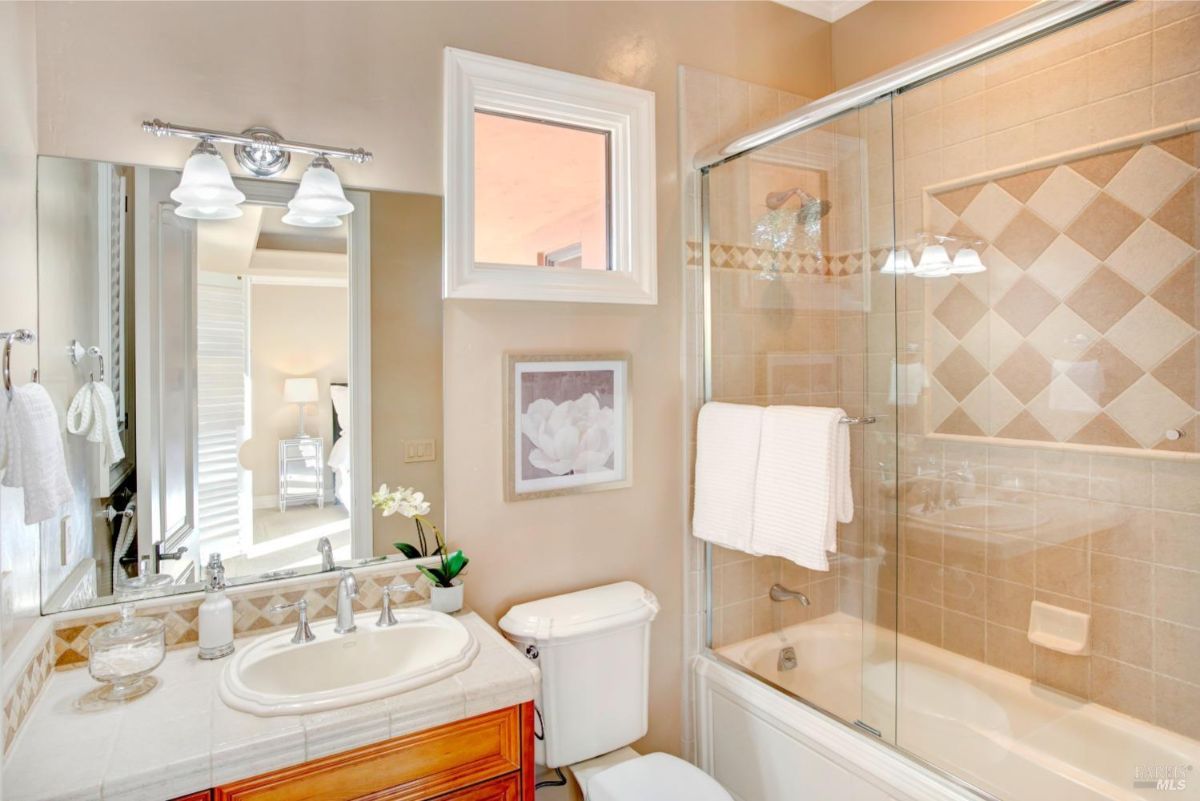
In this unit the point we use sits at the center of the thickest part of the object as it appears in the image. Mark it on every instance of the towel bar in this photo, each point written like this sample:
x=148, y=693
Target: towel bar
x=857, y=421
x=23, y=335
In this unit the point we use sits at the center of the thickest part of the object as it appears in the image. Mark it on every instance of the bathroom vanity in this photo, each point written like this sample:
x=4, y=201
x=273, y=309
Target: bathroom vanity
x=466, y=737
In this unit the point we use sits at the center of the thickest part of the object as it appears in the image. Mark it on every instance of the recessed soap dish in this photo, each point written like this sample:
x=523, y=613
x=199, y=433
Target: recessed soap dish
x=1059, y=629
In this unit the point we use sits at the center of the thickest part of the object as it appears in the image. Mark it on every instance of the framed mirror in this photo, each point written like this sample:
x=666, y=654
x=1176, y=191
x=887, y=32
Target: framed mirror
x=550, y=188
x=238, y=356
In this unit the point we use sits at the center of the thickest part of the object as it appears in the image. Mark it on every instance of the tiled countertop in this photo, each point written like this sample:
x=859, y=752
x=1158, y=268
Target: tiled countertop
x=181, y=738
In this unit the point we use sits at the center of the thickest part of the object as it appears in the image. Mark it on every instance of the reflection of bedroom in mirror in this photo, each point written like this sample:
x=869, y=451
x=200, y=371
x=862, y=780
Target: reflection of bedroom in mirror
x=235, y=351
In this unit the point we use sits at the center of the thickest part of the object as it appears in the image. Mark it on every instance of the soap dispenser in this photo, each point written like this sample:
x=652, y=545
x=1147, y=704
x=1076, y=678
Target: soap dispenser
x=216, y=614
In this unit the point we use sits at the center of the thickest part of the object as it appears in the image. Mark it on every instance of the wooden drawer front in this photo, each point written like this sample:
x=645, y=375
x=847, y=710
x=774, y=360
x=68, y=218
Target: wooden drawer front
x=203, y=795
x=506, y=788
x=416, y=766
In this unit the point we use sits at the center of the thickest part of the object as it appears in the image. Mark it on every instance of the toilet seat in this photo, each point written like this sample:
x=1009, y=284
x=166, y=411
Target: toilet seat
x=655, y=777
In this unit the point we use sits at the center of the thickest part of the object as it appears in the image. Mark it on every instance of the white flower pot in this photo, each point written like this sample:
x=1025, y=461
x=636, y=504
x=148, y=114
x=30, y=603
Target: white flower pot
x=447, y=599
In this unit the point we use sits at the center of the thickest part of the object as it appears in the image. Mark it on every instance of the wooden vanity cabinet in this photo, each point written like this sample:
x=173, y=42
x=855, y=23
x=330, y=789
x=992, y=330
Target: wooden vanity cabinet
x=485, y=758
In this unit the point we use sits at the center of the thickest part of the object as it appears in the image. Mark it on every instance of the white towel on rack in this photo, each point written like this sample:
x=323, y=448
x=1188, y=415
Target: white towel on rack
x=727, y=438
x=803, y=487
x=93, y=414
x=31, y=452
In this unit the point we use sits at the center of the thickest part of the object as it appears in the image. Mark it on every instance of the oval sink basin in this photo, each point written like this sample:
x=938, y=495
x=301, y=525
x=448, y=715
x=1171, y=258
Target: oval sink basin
x=273, y=676
x=983, y=516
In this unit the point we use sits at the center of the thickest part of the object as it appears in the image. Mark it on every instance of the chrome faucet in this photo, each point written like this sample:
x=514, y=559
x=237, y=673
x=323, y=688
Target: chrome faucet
x=782, y=593
x=303, y=632
x=347, y=591
x=386, y=618
x=326, y=550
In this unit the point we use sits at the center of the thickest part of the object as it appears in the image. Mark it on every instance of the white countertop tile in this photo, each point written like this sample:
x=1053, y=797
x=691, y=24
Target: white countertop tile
x=182, y=738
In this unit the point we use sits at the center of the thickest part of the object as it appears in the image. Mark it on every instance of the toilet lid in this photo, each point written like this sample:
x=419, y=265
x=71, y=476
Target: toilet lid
x=655, y=777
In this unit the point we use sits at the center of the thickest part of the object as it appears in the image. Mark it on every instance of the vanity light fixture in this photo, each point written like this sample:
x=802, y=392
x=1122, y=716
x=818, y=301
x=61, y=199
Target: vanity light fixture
x=935, y=262
x=206, y=190
x=899, y=262
x=967, y=262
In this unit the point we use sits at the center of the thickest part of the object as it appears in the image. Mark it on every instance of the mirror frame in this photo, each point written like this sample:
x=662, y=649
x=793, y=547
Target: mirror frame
x=475, y=82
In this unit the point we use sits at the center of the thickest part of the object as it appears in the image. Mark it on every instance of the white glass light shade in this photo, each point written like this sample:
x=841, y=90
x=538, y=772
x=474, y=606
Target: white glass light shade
x=300, y=390
x=206, y=190
x=935, y=262
x=304, y=221
x=320, y=194
x=899, y=262
x=966, y=262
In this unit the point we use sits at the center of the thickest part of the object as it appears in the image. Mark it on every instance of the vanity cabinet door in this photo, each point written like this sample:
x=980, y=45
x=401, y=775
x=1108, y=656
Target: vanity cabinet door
x=204, y=795
x=507, y=788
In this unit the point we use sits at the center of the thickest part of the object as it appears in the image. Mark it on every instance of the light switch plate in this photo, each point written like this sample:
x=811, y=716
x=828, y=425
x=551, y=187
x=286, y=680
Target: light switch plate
x=419, y=450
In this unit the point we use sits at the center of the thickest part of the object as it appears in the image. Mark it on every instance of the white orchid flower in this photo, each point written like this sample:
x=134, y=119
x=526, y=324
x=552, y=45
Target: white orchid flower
x=405, y=501
x=571, y=437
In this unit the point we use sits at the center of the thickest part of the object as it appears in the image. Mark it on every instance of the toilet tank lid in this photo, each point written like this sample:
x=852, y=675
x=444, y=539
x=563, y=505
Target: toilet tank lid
x=612, y=606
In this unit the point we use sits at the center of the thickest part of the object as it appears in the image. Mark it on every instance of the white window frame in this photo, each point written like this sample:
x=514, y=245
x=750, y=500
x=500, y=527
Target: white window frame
x=475, y=82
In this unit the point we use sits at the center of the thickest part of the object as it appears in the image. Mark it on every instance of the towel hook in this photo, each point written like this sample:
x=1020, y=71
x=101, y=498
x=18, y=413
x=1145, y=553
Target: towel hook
x=94, y=350
x=22, y=335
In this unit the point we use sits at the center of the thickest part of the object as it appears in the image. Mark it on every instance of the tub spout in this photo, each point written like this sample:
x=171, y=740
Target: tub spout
x=782, y=593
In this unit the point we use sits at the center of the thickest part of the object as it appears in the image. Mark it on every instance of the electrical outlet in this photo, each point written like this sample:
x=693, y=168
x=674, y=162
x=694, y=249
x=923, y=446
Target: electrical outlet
x=419, y=450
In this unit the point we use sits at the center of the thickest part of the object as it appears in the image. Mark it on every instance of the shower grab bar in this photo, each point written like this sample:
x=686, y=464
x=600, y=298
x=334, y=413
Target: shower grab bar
x=23, y=335
x=857, y=421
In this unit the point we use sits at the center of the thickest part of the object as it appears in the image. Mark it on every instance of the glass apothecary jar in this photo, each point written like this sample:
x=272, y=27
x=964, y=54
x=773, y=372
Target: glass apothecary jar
x=122, y=654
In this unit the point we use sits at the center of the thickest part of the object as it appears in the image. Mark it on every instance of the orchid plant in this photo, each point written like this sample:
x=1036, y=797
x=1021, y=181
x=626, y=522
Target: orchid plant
x=408, y=502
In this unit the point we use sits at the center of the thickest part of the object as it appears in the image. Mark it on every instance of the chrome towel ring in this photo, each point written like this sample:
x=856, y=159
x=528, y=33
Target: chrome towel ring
x=22, y=335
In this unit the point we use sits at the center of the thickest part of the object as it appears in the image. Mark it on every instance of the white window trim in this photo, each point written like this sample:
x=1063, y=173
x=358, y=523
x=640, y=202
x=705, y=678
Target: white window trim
x=484, y=83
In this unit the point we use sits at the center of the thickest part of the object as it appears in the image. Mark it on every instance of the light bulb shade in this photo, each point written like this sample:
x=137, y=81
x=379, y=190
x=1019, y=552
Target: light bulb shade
x=320, y=193
x=206, y=185
x=899, y=262
x=303, y=221
x=935, y=262
x=208, y=212
x=300, y=390
x=966, y=262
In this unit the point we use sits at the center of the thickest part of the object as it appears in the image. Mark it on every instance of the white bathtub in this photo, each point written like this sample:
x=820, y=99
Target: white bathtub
x=993, y=729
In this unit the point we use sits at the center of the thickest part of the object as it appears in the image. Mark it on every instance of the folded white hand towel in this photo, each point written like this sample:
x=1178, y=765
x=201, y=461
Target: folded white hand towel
x=93, y=414
x=31, y=452
x=803, y=487
x=727, y=439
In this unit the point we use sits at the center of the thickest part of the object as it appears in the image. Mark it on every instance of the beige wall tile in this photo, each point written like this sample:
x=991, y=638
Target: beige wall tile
x=1120, y=68
x=963, y=634
x=1177, y=651
x=1177, y=540
x=1068, y=674
x=1009, y=649
x=1177, y=705
x=1177, y=595
x=1063, y=571
x=1123, y=636
x=1122, y=687
x=1122, y=583
x=1008, y=604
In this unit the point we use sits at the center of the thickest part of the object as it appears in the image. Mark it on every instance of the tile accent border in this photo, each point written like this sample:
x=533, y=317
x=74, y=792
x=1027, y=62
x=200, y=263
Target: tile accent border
x=27, y=689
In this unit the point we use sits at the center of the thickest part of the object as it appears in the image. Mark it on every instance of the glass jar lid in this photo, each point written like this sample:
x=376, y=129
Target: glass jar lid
x=129, y=630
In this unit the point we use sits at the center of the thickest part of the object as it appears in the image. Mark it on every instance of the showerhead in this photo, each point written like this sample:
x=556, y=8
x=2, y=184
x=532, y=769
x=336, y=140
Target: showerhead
x=811, y=208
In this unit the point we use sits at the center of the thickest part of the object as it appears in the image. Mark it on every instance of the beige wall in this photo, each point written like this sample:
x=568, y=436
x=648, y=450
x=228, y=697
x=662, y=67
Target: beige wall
x=885, y=33
x=295, y=332
x=18, y=277
x=406, y=351
x=370, y=74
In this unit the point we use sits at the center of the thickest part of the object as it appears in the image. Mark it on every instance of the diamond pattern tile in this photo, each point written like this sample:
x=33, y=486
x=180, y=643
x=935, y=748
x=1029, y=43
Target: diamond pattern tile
x=1181, y=213
x=1148, y=179
x=1180, y=372
x=1103, y=226
x=1062, y=266
x=1147, y=409
x=1063, y=335
x=1103, y=372
x=1024, y=185
x=1180, y=293
x=958, y=422
x=1148, y=333
x=960, y=311
x=1101, y=168
x=957, y=200
x=1026, y=426
x=1103, y=299
x=1025, y=238
x=991, y=211
x=1025, y=373
x=1148, y=256
x=1185, y=147
x=1026, y=305
x=1063, y=408
x=1059, y=200
x=991, y=406
x=960, y=373
x=1103, y=430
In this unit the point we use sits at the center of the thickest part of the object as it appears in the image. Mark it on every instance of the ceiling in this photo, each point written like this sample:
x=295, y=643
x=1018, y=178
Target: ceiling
x=828, y=10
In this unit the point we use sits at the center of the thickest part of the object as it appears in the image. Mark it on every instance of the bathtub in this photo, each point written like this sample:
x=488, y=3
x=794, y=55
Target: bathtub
x=993, y=730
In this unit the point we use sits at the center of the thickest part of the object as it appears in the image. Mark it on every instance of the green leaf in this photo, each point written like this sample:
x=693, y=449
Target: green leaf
x=411, y=551
x=455, y=564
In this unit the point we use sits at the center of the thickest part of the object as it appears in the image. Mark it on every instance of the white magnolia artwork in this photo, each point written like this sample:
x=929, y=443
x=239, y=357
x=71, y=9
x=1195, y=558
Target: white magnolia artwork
x=567, y=425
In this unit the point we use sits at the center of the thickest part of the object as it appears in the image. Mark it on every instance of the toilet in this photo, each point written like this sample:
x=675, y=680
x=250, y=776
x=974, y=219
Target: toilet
x=593, y=650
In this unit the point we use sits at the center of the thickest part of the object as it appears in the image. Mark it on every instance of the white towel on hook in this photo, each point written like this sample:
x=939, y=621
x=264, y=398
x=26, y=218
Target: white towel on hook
x=31, y=452
x=727, y=437
x=93, y=414
x=803, y=487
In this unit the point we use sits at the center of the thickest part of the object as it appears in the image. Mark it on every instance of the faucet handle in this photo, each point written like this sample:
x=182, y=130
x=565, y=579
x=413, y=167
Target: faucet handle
x=386, y=618
x=303, y=632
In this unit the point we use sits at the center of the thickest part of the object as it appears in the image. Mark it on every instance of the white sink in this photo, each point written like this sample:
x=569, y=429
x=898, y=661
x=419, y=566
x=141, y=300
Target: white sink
x=273, y=676
x=976, y=515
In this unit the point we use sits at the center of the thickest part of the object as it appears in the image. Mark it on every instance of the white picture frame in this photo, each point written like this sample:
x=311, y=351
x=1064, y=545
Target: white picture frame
x=595, y=387
x=475, y=82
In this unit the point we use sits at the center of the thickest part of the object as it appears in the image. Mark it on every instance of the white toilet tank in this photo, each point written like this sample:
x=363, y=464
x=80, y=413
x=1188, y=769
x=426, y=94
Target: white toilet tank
x=593, y=648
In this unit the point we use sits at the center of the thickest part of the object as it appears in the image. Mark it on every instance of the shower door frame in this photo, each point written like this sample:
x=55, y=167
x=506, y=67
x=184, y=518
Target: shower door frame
x=1020, y=29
